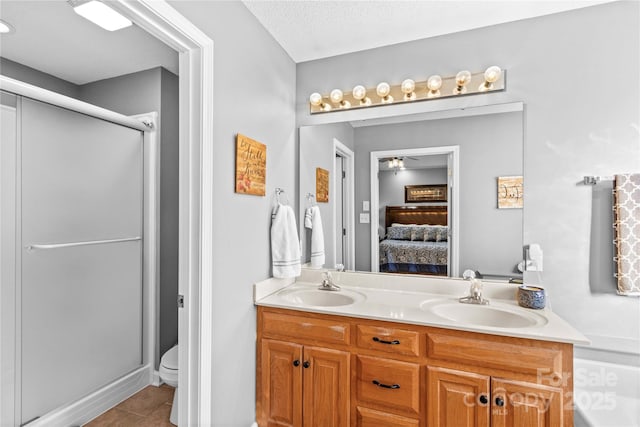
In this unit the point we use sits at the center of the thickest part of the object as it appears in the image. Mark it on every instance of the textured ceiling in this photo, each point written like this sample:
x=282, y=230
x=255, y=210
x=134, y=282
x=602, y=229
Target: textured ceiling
x=317, y=29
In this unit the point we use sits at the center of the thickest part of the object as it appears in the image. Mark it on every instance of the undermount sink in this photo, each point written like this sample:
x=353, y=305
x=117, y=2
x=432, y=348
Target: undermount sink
x=494, y=315
x=321, y=298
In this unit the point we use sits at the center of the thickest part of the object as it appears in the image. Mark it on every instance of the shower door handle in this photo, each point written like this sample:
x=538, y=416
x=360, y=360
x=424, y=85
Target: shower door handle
x=87, y=243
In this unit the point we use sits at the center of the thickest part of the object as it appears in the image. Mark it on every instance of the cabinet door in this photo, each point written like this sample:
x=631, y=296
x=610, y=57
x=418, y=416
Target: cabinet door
x=326, y=387
x=525, y=404
x=457, y=398
x=281, y=384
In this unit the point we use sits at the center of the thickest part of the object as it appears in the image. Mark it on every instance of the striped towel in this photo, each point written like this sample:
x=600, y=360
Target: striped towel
x=627, y=233
x=313, y=221
x=285, y=245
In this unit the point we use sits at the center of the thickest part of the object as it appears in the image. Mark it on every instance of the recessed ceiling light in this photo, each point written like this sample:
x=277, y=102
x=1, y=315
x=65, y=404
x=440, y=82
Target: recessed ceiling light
x=102, y=15
x=6, y=28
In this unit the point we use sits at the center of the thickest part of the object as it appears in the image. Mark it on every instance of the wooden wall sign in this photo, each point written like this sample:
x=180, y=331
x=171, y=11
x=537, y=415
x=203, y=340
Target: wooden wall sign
x=510, y=192
x=251, y=166
x=425, y=193
x=322, y=185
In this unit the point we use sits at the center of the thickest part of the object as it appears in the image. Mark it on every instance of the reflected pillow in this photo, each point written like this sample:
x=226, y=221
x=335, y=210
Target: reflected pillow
x=399, y=233
x=430, y=233
x=442, y=233
x=417, y=233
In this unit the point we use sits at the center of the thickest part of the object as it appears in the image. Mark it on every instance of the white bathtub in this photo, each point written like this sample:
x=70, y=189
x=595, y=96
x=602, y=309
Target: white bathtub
x=606, y=394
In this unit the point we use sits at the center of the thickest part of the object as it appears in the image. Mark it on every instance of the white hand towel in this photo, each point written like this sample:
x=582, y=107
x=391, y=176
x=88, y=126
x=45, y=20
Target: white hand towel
x=285, y=245
x=313, y=221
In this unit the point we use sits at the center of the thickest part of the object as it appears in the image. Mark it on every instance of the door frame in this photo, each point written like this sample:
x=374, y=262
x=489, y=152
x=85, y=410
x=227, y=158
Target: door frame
x=454, y=184
x=339, y=149
x=195, y=229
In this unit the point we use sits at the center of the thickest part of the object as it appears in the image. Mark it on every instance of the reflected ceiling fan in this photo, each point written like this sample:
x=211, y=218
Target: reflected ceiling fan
x=395, y=163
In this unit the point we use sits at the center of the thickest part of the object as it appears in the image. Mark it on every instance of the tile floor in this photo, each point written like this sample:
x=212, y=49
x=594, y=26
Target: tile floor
x=150, y=407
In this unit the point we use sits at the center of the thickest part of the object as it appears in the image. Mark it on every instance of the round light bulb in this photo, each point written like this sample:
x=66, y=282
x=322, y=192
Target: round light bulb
x=336, y=96
x=315, y=99
x=383, y=89
x=492, y=74
x=408, y=86
x=463, y=78
x=359, y=92
x=434, y=83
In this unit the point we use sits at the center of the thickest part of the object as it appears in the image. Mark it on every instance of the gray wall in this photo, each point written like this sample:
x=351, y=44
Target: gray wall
x=490, y=146
x=254, y=94
x=574, y=126
x=391, y=186
x=142, y=92
x=316, y=151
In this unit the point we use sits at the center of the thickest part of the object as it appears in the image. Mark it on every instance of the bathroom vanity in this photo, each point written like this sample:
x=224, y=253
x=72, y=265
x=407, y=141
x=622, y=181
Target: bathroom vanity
x=412, y=356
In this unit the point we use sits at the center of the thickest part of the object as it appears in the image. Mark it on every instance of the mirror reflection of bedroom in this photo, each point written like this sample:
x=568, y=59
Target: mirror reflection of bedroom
x=444, y=171
x=413, y=195
x=455, y=191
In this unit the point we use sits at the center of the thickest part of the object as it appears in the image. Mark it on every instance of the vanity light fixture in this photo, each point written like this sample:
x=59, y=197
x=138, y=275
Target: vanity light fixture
x=462, y=80
x=316, y=100
x=6, y=28
x=464, y=83
x=408, y=87
x=434, y=83
x=360, y=93
x=384, y=92
x=100, y=14
x=337, y=97
x=490, y=77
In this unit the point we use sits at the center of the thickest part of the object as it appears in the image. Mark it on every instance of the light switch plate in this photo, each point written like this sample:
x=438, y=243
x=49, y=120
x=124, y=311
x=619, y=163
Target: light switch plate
x=365, y=205
x=364, y=218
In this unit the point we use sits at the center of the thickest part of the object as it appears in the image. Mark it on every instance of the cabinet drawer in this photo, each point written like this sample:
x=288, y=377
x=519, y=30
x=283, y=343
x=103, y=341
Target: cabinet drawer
x=389, y=385
x=291, y=326
x=370, y=418
x=525, y=358
x=390, y=340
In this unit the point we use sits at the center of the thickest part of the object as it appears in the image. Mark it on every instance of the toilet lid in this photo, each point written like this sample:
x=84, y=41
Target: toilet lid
x=170, y=358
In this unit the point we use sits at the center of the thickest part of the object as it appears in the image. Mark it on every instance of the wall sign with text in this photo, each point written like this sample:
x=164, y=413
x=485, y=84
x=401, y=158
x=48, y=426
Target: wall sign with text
x=510, y=192
x=251, y=166
x=322, y=185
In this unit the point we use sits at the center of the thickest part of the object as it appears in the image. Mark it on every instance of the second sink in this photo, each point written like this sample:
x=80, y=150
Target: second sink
x=494, y=315
x=320, y=298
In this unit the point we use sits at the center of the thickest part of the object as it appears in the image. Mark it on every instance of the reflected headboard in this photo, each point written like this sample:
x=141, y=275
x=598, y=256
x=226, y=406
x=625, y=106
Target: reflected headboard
x=433, y=215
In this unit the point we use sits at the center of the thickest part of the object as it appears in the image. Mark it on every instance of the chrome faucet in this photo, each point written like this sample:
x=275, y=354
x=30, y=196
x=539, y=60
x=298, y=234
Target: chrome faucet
x=475, y=290
x=327, y=283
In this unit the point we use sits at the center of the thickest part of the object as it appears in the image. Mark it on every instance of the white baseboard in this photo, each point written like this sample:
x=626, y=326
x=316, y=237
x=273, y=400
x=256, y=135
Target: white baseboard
x=89, y=407
x=155, y=379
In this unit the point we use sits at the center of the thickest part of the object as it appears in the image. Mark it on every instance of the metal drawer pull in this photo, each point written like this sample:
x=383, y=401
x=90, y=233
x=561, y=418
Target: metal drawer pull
x=392, y=386
x=70, y=245
x=394, y=342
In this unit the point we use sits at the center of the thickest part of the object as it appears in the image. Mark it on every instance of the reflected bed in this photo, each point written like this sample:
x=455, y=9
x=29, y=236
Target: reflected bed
x=416, y=240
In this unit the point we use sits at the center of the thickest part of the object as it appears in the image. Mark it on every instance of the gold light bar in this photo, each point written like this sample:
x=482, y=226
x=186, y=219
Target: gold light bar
x=434, y=87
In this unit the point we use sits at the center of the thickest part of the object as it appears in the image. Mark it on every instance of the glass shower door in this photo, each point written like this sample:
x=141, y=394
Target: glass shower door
x=81, y=183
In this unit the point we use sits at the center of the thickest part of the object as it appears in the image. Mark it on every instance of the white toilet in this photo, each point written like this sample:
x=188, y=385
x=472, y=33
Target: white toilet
x=169, y=375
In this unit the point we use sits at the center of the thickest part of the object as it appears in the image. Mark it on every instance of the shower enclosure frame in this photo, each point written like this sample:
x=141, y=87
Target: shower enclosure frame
x=111, y=394
x=196, y=197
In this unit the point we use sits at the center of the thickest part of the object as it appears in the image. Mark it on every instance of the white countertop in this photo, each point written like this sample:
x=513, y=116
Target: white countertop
x=398, y=298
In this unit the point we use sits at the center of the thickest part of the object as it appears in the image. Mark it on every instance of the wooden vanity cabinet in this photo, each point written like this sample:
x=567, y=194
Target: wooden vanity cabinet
x=299, y=383
x=458, y=398
x=368, y=373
